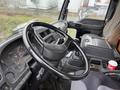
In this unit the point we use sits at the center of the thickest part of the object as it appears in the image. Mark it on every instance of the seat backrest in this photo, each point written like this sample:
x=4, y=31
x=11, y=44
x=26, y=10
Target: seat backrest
x=114, y=36
x=109, y=28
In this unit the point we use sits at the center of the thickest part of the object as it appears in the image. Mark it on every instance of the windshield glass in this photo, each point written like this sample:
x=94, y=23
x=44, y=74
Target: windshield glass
x=16, y=12
x=92, y=9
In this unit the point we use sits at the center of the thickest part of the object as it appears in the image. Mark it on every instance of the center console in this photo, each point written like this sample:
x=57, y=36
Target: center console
x=73, y=61
x=100, y=53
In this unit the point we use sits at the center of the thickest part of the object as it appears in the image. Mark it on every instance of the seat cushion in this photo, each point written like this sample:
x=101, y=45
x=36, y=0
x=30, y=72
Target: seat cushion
x=104, y=88
x=78, y=85
x=95, y=81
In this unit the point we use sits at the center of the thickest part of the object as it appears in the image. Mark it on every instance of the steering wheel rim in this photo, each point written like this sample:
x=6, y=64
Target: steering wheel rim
x=42, y=60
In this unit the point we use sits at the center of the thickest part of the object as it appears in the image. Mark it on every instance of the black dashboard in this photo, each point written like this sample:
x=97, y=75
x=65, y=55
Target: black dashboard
x=14, y=65
x=13, y=60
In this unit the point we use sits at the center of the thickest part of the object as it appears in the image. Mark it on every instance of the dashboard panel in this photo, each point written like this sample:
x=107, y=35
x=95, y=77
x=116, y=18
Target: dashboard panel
x=13, y=63
x=14, y=59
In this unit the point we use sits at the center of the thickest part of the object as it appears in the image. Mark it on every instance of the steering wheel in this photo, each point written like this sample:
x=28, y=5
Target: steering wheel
x=45, y=52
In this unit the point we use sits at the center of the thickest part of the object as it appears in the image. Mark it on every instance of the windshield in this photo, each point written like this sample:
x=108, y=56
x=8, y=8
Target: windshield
x=16, y=12
x=92, y=9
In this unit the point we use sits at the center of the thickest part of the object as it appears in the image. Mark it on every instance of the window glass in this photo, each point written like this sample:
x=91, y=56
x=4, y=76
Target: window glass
x=94, y=9
x=17, y=12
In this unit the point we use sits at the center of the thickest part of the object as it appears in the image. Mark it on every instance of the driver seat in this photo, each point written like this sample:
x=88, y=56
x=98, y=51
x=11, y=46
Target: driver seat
x=95, y=81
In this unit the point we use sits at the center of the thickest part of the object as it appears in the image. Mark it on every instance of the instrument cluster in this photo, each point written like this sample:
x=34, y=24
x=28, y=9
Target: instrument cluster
x=13, y=62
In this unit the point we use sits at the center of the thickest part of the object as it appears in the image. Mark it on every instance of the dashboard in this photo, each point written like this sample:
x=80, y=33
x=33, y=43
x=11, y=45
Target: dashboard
x=13, y=64
x=15, y=61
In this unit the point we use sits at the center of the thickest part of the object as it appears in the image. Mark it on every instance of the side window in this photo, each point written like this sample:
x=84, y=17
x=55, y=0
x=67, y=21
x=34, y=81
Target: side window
x=94, y=9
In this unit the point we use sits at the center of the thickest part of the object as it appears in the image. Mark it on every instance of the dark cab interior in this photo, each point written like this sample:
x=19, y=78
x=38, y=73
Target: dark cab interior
x=44, y=56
